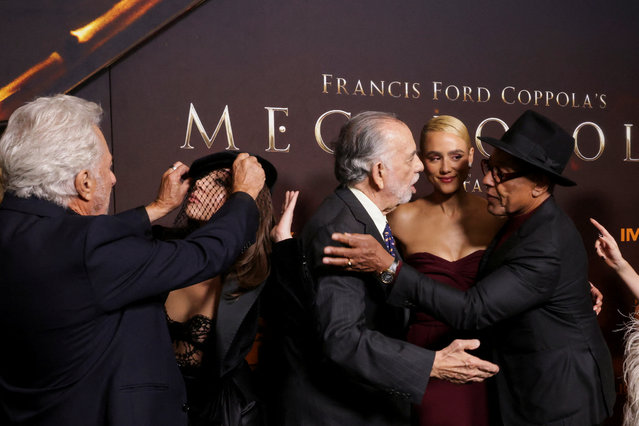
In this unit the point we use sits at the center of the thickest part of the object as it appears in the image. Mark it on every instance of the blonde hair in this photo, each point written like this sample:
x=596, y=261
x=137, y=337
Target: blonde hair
x=445, y=123
x=631, y=372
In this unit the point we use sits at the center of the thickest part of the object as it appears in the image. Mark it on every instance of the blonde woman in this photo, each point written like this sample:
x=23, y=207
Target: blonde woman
x=444, y=235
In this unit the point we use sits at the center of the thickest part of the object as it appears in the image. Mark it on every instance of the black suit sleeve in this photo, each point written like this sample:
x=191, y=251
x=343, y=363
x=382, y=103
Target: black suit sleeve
x=124, y=265
x=393, y=365
x=525, y=279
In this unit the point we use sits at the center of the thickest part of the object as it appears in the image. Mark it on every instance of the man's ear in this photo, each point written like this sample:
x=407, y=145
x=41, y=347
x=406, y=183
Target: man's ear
x=540, y=189
x=84, y=185
x=378, y=173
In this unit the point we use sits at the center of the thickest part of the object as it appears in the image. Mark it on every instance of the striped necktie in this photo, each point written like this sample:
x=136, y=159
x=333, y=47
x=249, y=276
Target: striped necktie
x=389, y=241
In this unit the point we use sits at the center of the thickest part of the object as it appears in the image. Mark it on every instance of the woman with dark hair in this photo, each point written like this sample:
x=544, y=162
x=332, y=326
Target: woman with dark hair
x=213, y=324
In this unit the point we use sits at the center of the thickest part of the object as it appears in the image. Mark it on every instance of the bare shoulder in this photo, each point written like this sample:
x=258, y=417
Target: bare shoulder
x=406, y=214
x=478, y=213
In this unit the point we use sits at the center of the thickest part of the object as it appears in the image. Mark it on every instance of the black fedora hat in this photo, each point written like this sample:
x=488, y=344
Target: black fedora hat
x=539, y=142
x=224, y=160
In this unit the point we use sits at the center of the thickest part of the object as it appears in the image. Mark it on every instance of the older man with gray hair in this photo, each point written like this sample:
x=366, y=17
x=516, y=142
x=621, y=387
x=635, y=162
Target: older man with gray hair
x=359, y=371
x=84, y=333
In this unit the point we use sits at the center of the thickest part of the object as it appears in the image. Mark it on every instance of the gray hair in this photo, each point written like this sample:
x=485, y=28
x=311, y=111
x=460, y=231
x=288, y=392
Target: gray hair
x=361, y=143
x=631, y=372
x=47, y=142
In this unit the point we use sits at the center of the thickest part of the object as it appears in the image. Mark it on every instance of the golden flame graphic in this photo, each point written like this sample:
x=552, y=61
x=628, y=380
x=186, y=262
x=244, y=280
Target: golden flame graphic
x=14, y=86
x=117, y=18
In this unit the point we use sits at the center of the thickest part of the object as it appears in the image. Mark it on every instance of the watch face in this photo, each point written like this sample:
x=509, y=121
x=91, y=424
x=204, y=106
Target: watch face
x=386, y=277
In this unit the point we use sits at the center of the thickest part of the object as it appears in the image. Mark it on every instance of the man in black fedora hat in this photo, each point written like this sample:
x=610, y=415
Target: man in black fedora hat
x=532, y=298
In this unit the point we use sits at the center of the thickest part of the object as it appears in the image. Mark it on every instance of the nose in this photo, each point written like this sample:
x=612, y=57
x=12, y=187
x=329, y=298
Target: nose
x=445, y=166
x=418, y=165
x=113, y=179
x=488, y=180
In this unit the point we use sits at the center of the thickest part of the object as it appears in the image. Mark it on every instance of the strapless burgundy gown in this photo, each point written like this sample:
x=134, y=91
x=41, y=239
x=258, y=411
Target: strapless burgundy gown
x=444, y=403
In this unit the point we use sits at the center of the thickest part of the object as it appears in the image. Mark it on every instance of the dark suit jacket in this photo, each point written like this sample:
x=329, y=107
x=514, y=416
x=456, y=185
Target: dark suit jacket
x=85, y=340
x=533, y=295
x=236, y=324
x=360, y=372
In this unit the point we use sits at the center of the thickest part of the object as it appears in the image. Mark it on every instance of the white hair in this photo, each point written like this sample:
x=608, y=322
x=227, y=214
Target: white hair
x=47, y=142
x=631, y=372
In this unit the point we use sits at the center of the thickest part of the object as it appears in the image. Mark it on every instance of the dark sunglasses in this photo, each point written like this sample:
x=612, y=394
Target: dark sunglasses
x=498, y=175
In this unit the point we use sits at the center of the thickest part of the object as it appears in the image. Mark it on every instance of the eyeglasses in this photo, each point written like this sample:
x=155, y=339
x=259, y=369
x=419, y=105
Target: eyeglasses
x=498, y=175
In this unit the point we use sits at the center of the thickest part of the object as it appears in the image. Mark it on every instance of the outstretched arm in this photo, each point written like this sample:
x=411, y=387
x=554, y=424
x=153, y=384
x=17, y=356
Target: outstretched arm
x=608, y=250
x=364, y=254
x=507, y=291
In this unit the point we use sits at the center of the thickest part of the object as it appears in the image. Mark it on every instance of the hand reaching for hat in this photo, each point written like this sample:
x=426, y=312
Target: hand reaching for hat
x=248, y=175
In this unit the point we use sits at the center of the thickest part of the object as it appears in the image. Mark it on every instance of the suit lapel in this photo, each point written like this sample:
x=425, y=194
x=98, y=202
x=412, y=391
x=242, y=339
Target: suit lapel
x=231, y=312
x=359, y=213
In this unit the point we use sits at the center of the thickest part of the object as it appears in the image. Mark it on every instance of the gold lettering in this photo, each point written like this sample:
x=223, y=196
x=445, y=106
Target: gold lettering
x=326, y=82
x=467, y=91
x=476, y=186
x=437, y=88
x=377, y=89
x=587, y=102
x=480, y=147
x=359, y=89
x=341, y=82
x=271, y=129
x=574, y=105
x=563, y=95
x=629, y=144
x=456, y=90
x=503, y=94
x=549, y=96
x=225, y=118
x=416, y=92
x=479, y=92
x=538, y=95
x=390, y=89
x=527, y=93
x=623, y=234
x=318, y=127
x=602, y=140
x=602, y=98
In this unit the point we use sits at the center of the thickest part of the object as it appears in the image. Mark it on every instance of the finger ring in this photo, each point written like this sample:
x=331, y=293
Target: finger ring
x=174, y=167
x=350, y=263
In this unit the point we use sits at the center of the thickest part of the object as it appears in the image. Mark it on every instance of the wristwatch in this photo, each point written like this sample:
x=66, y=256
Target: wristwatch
x=387, y=276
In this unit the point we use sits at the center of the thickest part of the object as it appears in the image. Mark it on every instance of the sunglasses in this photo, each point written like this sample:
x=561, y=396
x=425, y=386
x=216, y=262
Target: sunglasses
x=498, y=175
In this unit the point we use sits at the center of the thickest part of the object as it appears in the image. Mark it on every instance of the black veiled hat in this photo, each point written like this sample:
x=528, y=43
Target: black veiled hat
x=539, y=142
x=224, y=160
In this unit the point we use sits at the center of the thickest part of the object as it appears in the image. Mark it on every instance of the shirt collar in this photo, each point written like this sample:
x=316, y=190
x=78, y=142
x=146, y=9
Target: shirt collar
x=379, y=218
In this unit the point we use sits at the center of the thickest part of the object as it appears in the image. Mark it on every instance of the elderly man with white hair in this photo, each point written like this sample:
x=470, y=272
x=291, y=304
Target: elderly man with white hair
x=85, y=340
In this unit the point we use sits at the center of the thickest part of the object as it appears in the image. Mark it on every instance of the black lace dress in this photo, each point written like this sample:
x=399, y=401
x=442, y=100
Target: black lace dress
x=218, y=380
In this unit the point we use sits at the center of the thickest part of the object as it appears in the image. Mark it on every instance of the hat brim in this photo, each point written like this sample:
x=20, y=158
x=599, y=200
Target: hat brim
x=224, y=160
x=508, y=148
